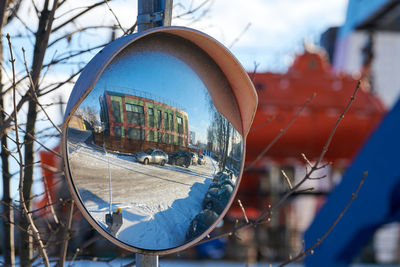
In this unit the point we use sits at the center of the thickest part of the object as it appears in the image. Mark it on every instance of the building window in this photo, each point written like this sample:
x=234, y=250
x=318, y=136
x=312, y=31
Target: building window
x=166, y=138
x=171, y=122
x=135, y=134
x=151, y=117
x=116, y=111
x=159, y=119
x=151, y=136
x=134, y=114
x=166, y=121
x=180, y=124
x=117, y=131
x=180, y=141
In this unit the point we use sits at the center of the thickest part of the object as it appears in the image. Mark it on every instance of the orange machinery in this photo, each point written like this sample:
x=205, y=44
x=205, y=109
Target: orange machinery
x=281, y=96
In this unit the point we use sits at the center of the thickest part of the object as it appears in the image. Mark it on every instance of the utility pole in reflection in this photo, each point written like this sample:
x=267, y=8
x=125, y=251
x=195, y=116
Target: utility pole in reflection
x=152, y=14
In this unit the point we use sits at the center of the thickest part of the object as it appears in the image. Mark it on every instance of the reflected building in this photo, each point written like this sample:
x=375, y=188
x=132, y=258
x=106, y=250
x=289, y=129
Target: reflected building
x=192, y=137
x=134, y=123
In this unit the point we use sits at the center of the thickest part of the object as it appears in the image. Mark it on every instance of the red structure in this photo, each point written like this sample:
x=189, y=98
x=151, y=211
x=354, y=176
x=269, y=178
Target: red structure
x=280, y=98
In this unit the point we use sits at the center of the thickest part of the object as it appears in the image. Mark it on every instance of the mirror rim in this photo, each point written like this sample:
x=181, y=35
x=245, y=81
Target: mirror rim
x=241, y=85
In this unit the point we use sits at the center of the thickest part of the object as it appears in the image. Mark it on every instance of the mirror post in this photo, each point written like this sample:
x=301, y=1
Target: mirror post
x=154, y=13
x=151, y=14
x=146, y=260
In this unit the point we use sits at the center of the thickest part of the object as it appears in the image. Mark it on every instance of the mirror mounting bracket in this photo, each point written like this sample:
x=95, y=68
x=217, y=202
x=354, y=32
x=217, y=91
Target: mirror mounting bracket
x=150, y=17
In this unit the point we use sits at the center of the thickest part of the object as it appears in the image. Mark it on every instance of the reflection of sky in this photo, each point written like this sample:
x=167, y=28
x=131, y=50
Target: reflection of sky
x=162, y=75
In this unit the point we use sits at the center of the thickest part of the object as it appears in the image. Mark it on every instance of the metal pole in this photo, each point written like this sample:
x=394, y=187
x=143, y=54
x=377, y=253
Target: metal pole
x=167, y=12
x=146, y=260
x=152, y=14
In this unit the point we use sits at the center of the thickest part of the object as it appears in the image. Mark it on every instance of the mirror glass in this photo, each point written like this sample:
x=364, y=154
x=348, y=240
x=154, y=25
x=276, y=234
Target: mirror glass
x=151, y=153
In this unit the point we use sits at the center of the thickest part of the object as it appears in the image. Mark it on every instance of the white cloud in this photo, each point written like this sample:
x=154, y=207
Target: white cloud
x=277, y=26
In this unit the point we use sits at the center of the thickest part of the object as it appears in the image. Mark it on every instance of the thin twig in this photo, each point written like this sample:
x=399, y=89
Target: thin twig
x=310, y=250
x=35, y=97
x=262, y=124
x=243, y=210
x=21, y=174
x=328, y=142
x=115, y=16
x=287, y=179
x=253, y=75
x=306, y=160
x=41, y=144
x=237, y=39
x=89, y=8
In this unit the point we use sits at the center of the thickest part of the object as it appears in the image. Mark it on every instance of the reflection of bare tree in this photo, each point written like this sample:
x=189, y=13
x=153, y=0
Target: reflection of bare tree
x=218, y=135
x=89, y=116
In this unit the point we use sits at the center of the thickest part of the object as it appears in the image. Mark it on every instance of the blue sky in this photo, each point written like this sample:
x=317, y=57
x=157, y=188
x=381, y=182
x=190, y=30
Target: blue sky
x=276, y=31
x=161, y=75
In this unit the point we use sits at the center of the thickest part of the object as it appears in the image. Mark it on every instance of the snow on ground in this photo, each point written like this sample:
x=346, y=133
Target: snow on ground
x=158, y=202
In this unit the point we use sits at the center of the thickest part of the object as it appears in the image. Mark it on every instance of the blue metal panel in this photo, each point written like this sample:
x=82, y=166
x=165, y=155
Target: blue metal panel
x=357, y=12
x=377, y=203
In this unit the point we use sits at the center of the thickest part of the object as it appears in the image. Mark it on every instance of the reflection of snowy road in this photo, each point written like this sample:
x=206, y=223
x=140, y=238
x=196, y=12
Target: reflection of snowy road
x=157, y=202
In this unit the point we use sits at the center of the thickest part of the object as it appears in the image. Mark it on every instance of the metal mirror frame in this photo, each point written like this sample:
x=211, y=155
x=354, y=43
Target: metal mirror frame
x=242, y=90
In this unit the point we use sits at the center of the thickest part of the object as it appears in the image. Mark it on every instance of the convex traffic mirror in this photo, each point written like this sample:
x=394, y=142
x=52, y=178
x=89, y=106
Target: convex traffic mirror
x=154, y=138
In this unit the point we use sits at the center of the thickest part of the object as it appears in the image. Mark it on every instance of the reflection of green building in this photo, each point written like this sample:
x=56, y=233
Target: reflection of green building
x=138, y=118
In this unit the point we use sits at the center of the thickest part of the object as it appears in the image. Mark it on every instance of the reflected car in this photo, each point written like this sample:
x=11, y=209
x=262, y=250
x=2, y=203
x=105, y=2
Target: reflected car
x=201, y=223
x=201, y=160
x=180, y=158
x=217, y=198
x=195, y=158
x=220, y=183
x=152, y=155
x=223, y=175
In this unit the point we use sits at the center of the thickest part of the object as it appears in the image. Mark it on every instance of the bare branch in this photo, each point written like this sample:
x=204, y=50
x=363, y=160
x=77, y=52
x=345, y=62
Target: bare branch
x=253, y=74
x=243, y=210
x=70, y=34
x=262, y=124
x=310, y=250
x=328, y=142
x=287, y=179
x=306, y=160
x=237, y=39
x=21, y=174
x=115, y=16
x=35, y=96
x=89, y=8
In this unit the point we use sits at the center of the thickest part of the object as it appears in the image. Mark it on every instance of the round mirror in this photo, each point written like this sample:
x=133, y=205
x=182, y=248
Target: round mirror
x=154, y=142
